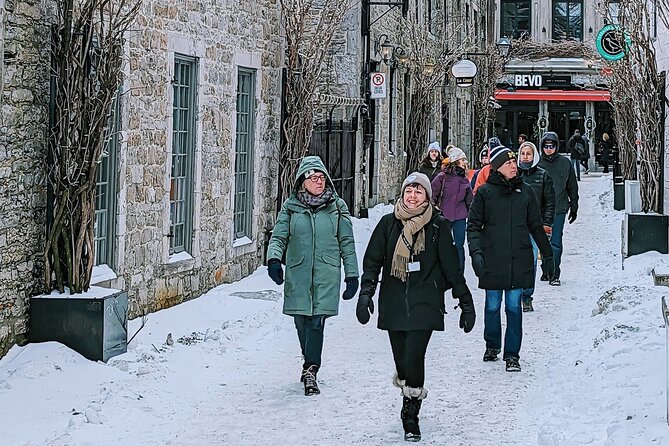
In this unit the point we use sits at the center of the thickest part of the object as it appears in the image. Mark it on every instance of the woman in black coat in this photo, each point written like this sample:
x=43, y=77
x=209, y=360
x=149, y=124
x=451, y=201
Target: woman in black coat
x=413, y=250
x=605, y=155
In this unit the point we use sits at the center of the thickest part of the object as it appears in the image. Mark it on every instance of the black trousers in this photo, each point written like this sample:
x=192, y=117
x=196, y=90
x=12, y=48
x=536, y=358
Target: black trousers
x=310, y=333
x=409, y=349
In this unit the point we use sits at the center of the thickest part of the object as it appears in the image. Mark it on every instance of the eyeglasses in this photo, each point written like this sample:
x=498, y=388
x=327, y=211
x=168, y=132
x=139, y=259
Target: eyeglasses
x=317, y=178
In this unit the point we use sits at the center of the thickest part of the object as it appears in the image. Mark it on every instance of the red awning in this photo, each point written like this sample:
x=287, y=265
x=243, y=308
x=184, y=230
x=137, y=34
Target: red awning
x=554, y=95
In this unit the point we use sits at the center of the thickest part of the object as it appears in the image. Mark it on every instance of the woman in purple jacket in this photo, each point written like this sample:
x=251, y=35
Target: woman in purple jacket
x=452, y=193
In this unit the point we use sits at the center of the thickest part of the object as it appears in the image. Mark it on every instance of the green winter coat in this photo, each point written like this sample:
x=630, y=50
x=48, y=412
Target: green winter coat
x=314, y=243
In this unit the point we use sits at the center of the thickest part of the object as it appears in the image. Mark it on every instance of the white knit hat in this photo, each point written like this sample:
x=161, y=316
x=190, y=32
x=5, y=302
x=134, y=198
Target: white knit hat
x=434, y=145
x=456, y=154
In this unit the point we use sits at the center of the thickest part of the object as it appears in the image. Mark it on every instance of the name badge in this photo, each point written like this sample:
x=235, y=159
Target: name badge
x=413, y=267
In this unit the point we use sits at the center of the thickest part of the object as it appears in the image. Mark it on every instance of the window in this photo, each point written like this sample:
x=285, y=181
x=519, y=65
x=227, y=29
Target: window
x=567, y=20
x=105, y=191
x=183, y=153
x=244, y=146
x=392, y=111
x=406, y=111
x=515, y=18
x=614, y=10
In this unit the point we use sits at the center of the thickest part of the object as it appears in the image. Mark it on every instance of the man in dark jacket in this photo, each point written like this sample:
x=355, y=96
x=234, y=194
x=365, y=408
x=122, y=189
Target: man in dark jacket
x=542, y=185
x=502, y=217
x=566, y=195
x=578, y=151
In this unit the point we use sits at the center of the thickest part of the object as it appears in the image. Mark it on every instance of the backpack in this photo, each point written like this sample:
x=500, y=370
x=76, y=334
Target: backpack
x=580, y=148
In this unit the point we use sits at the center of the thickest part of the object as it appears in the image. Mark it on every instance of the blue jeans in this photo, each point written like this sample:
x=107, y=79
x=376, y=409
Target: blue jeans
x=556, y=241
x=528, y=292
x=459, y=228
x=492, y=332
x=577, y=168
x=310, y=332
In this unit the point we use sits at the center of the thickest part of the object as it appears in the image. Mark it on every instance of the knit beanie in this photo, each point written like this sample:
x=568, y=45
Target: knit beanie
x=434, y=145
x=418, y=178
x=499, y=156
x=494, y=142
x=456, y=154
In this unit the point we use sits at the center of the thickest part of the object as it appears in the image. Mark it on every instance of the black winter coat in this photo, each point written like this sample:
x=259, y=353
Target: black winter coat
x=571, y=145
x=502, y=217
x=426, y=168
x=542, y=185
x=564, y=182
x=418, y=303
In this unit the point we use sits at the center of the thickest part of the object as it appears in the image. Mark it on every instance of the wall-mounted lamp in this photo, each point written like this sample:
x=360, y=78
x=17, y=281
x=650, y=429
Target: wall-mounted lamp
x=428, y=67
x=590, y=30
x=503, y=46
x=390, y=54
x=543, y=29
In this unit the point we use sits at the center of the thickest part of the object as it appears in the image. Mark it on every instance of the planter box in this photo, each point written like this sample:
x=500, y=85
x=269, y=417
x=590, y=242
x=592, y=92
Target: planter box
x=95, y=324
x=618, y=196
x=645, y=232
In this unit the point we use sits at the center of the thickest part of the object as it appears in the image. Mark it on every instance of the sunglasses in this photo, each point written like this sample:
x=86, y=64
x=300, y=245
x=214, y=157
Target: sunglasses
x=549, y=146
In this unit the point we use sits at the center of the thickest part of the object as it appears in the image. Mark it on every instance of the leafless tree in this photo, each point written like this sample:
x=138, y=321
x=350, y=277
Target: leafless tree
x=87, y=44
x=309, y=26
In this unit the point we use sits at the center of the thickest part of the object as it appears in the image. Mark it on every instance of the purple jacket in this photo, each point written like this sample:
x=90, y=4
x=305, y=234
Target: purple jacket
x=452, y=193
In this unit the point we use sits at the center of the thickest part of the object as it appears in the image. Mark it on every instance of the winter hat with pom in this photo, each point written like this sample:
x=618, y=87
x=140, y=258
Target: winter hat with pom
x=456, y=154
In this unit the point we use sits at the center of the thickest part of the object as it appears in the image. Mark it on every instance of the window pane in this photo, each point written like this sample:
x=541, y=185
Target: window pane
x=243, y=204
x=515, y=18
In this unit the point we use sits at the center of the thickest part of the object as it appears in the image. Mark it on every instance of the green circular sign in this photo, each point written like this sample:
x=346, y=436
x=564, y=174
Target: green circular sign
x=612, y=42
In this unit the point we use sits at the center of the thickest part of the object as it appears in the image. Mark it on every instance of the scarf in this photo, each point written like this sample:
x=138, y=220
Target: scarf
x=413, y=222
x=315, y=201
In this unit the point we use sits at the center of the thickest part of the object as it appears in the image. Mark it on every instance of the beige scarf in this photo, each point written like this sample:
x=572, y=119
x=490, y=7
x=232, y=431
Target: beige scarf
x=413, y=221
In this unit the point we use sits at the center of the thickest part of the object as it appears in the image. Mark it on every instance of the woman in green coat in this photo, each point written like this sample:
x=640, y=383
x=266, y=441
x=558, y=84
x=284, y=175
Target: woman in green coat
x=313, y=235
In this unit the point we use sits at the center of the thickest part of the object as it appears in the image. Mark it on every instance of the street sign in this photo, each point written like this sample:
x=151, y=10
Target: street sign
x=464, y=72
x=377, y=85
x=612, y=42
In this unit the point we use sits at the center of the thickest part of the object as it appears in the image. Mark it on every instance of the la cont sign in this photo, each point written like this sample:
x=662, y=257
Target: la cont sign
x=528, y=80
x=377, y=85
x=464, y=72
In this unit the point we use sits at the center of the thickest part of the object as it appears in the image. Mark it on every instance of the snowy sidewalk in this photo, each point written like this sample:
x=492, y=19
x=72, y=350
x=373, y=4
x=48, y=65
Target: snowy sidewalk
x=232, y=375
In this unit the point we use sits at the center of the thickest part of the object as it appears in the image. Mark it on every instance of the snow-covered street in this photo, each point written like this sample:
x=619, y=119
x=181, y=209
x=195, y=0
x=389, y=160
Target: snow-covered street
x=593, y=367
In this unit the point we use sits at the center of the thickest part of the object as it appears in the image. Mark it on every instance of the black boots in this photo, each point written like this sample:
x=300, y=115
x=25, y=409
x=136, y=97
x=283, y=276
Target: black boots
x=309, y=380
x=411, y=402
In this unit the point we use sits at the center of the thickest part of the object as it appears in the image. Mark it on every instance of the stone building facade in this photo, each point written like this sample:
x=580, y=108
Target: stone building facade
x=187, y=190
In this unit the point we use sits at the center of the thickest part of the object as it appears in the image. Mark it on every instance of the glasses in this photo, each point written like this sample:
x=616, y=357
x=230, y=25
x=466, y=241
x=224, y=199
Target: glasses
x=549, y=146
x=317, y=178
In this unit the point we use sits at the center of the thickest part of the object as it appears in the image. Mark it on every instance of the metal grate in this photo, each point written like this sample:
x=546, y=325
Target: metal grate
x=183, y=145
x=243, y=209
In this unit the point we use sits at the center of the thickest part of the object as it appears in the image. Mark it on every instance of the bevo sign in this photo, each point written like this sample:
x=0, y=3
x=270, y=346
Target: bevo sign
x=528, y=80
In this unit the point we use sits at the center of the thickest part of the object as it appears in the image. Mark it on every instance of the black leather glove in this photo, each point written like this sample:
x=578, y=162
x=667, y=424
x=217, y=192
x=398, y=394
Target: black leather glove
x=548, y=267
x=275, y=271
x=468, y=315
x=572, y=216
x=365, y=307
x=351, y=288
x=478, y=265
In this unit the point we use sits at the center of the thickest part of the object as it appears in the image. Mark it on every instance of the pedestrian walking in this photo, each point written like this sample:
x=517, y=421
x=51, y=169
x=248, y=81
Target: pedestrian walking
x=413, y=250
x=431, y=164
x=452, y=193
x=542, y=185
x=522, y=138
x=483, y=161
x=577, y=148
x=503, y=216
x=585, y=157
x=483, y=174
x=313, y=234
x=605, y=152
x=566, y=196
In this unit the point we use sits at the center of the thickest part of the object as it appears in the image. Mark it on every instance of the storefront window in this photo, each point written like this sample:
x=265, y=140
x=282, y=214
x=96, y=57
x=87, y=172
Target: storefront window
x=567, y=20
x=515, y=18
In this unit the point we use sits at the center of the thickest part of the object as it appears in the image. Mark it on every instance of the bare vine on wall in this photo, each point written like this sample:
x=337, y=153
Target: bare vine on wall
x=310, y=27
x=490, y=69
x=636, y=90
x=87, y=44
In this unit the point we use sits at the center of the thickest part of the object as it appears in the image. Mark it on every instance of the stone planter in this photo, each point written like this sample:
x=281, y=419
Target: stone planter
x=95, y=324
x=645, y=232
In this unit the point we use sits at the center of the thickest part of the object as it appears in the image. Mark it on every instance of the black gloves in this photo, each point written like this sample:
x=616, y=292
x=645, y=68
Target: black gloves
x=468, y=315
x=572, y=216
x=365, y=307
x=548, y=266
x=275, y=271
x=477, y=264
x=351, y=288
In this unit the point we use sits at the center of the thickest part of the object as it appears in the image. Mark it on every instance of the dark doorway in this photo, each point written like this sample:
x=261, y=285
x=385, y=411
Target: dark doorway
x=564, y=118
x=514, y=118
x=335, y=142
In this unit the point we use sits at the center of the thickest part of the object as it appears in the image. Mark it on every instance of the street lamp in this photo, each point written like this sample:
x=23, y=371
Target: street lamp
x=503, y=46
x=428, y=67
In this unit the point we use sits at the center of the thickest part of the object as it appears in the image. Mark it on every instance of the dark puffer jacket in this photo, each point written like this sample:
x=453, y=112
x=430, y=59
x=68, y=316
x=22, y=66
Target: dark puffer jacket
x=542, y=185
x=418, y=303
x=502, y=217
x=564, y=182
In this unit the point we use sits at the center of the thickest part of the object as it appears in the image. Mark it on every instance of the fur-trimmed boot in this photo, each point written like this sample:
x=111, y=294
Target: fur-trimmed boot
x=412, y=400
x=399, y=383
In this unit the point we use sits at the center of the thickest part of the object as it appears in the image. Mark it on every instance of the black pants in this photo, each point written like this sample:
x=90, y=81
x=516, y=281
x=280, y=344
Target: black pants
x=310, y=332
x=409, y=349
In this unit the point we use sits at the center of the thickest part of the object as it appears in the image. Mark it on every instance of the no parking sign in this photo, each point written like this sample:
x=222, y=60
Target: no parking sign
x=377, y=85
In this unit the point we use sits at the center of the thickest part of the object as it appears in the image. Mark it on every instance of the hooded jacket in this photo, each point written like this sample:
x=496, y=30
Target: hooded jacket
x=502, y=217
x=314, y=242
x=542, y=185
x=563, y=176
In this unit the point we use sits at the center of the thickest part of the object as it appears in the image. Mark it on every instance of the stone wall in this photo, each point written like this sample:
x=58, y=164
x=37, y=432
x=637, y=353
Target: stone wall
x=23, y=126
x=223, y=37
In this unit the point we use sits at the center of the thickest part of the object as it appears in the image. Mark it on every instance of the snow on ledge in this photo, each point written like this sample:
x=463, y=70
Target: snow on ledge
x=102, y=273
x=94, y=292
x=241, y=242
x=179, y=257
